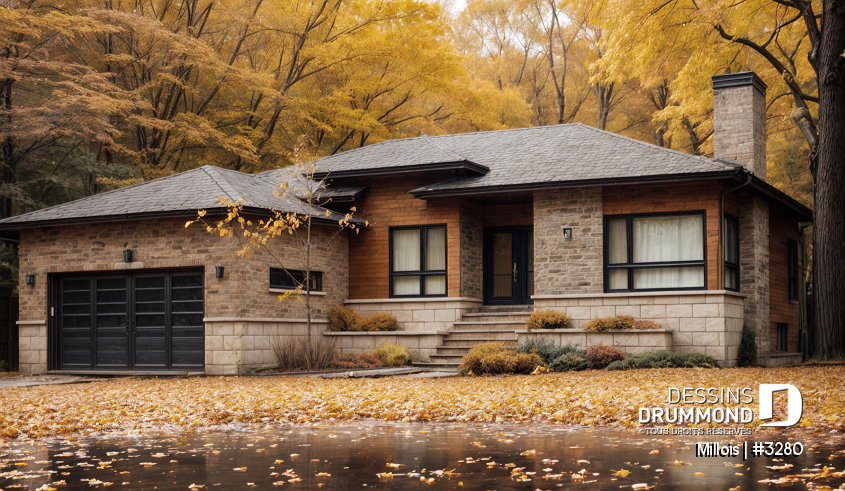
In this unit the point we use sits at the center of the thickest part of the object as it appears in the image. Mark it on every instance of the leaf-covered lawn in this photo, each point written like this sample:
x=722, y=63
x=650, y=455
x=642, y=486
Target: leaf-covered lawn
x=591, y=398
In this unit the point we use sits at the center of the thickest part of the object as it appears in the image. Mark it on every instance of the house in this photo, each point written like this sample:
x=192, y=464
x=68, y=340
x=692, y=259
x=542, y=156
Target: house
x=468, y=233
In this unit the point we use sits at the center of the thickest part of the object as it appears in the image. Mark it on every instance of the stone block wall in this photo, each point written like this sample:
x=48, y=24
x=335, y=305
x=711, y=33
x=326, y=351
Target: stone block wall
x=429, y=315
x=575, y=265
x=708, y=322
x=242, y=293
x=632, y=342
x=754, y=269
x=421, y=345
x=472, y=251
x=739, y=123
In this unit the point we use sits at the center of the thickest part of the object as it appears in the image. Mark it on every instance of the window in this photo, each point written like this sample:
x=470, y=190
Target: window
x=290, y=279
x=792, y=265
x=731, y=253
x=782, y=332
x=654, y=252
x=418, y=261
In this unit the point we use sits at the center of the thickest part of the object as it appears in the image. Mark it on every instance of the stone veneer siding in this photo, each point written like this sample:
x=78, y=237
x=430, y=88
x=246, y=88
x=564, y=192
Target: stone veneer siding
x=739, y=127
x=633, y=342
x=568, y=266
x=165, y=243
x=754, y=270
x=706, y=322
x=428, y=315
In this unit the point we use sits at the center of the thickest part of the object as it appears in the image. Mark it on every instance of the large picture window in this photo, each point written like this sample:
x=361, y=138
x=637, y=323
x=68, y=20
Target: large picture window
x=731, y=253
x=418, y=261
x=654, y=252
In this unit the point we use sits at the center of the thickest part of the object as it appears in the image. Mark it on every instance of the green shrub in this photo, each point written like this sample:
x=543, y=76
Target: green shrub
x=546, y=349
x=600, y=356
x=344, y=320
x=570, y=359
x=496, y=358
x=547, y=319
x=747, y=356
x=664, y=359
x=393, y=355
x=381, y=321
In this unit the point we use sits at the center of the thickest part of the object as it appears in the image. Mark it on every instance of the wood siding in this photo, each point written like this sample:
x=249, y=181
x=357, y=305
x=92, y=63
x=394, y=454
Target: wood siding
x=782, y=228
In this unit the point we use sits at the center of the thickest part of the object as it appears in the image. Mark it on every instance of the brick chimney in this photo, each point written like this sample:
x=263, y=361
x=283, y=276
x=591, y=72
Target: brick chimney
x=739, y=120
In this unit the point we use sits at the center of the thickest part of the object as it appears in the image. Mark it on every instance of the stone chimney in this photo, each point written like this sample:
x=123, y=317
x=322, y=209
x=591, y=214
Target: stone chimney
x=739, y=120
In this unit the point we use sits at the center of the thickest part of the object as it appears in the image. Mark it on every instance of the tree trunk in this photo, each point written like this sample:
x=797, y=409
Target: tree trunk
x=7, y=146
x=828, y=164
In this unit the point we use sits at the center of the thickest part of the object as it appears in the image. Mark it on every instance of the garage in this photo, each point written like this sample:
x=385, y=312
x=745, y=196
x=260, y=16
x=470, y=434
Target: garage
x=127, y=321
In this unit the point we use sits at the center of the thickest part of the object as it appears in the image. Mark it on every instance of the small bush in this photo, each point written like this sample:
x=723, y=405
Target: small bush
x=601, y=324
x=543, y=347
x=364, y=360
x=381, y=321
x=496, y=358
x=547, y=319
x=297, y=353
x=601, y=356
x=342, y=320
x=571, y=359
x=747, y=356
x=664, y=359
x=646, y=325
x=393, y=355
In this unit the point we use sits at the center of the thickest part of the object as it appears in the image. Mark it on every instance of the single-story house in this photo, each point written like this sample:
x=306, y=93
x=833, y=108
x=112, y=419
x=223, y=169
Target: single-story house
x=467, y=234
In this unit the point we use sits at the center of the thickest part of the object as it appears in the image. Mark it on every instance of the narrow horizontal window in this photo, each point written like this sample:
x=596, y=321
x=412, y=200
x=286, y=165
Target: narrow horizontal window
x=290, y=279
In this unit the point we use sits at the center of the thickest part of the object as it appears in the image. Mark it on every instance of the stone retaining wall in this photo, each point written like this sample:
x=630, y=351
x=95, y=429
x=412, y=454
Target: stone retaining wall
x=421, y=345
x=419, y=314
x=633, y=341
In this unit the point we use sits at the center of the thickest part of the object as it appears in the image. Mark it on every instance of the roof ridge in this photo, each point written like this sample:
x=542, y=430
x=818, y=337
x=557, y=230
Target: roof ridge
x=231, y=192
x=431, y=141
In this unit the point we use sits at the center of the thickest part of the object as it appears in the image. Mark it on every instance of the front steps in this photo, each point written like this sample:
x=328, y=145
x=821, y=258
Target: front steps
x=491, y=324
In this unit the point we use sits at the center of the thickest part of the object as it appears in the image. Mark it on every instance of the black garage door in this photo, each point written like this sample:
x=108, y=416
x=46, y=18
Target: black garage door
x=139, y=321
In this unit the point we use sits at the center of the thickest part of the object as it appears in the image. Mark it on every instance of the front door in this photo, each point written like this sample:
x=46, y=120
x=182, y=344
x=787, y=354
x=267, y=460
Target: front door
x=508, y=265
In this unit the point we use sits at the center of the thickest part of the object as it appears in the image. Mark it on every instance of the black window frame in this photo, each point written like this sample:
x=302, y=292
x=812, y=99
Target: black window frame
x=792, y=269
x=423, y=273
x=782, y=337
x=729, y=265
x=631, y=266
x=297, y=279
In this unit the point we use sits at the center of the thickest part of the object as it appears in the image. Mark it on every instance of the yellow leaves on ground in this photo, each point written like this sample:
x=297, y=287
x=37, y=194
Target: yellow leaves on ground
x=139, y=404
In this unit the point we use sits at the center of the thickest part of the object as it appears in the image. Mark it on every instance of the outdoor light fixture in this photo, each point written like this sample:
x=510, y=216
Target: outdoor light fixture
x=567, y=233
x=127, y=256
x=30, y=279
x=218, y=271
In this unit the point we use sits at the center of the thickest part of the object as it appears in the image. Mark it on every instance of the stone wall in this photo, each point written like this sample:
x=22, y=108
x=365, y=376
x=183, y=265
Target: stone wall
x=706, y=322
x=429, y=315
x=754, y=269
x=242, y=293
x=421, y=345
x=574, y=265
x=739, y=124
x=472, y=252
x=633, y=342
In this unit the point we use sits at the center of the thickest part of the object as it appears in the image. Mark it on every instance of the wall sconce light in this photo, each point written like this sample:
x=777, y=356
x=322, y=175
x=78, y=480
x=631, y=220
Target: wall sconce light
x=30, y=279
x=567, y=233
x=127, y=256
x=218, y=271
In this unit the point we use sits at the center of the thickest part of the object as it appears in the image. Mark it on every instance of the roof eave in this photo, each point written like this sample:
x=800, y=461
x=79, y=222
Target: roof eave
x=464, y=165
x=773, y=194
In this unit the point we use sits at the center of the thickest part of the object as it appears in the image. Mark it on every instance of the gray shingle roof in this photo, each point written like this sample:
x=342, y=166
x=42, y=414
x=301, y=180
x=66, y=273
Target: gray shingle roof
x=189, y=191
x=544, y=154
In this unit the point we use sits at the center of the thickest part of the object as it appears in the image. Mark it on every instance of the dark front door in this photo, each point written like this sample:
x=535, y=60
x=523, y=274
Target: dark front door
x=142, y=321
x=508, y=265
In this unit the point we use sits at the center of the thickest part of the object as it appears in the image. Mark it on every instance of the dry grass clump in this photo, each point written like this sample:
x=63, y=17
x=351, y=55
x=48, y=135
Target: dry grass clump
x=346, y=320
x=496, y=358
x=393, y=355
x=363, y=360
x=294, y=353
x=618, y=323
x=600, y=356
x=547, y=319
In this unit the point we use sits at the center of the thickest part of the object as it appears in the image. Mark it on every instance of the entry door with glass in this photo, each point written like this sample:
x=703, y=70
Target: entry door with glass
x=508, y=266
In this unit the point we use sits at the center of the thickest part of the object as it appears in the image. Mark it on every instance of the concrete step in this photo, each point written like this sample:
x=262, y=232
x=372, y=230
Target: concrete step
x=511, y=343
x=506, y=325
x=441, y=367
x=451, y=359
x=496, y=316
x=489, y=334
x=453, y=350
x=506, y=308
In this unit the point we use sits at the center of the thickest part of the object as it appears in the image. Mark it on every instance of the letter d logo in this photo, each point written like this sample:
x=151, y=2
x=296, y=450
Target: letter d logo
x=794, y=407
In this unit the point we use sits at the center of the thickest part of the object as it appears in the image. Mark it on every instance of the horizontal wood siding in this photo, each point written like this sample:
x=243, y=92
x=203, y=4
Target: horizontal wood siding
x=782, y=227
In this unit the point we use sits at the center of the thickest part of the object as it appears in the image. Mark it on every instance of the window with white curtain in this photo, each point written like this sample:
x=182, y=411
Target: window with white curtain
x=418, y=261
x=654, y=252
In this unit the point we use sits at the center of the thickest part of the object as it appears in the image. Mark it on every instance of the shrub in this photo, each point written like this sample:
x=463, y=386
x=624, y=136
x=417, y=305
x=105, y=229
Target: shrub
x=601, y=356
x=381, y=321
x=601, y=324
x=571, y=359
x=496, y=358
x=393, y=355
x=364, y=360
x=297, y=353
x=646, y=325
x=344, y=320
x=547, y=319
x=543, y=347
x=747, y=356
x=664, y=359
